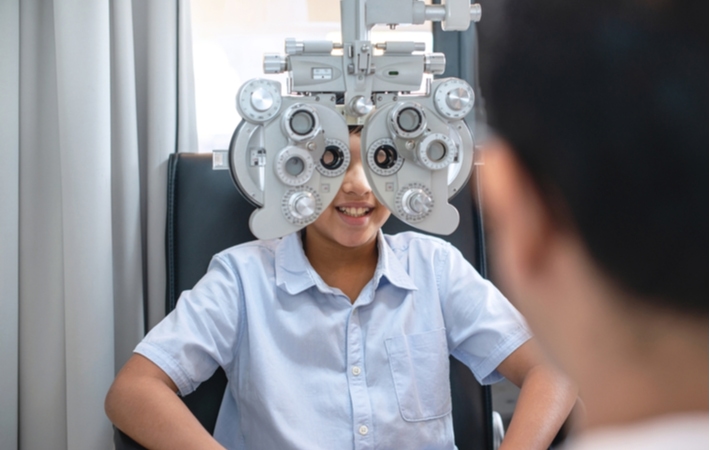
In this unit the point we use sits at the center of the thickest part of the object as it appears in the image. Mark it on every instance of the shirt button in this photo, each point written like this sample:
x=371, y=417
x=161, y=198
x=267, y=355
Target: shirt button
x=356, y=370
x=363, y=430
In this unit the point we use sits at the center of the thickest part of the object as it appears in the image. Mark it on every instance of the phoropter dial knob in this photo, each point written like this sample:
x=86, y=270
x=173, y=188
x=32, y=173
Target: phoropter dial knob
x=301, y=205
x=414, y=202
x=262, y=99
x=454, y=98
x=275, y=63
x=435, y=63
x=259, y=100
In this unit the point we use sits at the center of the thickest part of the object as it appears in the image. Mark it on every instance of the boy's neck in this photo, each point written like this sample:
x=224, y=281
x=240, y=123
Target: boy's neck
x=346, y=268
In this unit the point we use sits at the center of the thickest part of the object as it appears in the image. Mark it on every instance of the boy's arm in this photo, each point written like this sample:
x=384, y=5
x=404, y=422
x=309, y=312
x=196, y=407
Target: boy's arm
x=545, y=401
x=143, y=403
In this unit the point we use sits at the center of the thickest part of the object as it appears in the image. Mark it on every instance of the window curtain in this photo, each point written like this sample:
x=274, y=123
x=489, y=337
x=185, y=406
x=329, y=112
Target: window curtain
x=94, y=97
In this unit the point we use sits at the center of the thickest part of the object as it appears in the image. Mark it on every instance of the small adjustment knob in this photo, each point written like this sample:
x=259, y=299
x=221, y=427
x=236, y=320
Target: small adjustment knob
x=262, y=99
x=458, y=99
x=417, y=202
x=414, y=202
x=360, y=106
x=301, y=205
x=453, y=98
x=259, y=100
x=476, y=12
x=275, y=63
x=435, y=63
x=293, y=47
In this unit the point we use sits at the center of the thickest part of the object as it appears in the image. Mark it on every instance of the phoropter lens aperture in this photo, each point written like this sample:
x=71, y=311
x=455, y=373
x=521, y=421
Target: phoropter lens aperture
x=385, y=156
x=302, y=122
x=332, y=158
x=409, y=119
x=436, y=151
x=294, y=166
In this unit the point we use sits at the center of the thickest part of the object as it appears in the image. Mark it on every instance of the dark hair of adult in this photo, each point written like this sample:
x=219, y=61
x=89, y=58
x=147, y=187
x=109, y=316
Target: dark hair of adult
x=605, y=105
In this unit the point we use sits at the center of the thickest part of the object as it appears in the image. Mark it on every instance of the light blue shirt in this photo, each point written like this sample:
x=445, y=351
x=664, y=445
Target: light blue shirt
x=309, y=370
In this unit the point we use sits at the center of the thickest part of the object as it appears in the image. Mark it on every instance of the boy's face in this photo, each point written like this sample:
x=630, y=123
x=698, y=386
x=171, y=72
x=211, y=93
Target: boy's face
x=355, y=216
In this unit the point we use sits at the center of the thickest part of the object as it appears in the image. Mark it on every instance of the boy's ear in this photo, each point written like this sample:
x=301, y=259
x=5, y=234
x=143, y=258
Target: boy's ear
x=520, y=226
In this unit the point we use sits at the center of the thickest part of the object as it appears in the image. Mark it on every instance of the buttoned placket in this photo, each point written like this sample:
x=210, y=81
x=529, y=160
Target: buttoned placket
x=357, y=383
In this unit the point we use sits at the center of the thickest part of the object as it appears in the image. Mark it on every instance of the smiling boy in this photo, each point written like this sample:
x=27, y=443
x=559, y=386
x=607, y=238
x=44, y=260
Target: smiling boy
x=335, y=337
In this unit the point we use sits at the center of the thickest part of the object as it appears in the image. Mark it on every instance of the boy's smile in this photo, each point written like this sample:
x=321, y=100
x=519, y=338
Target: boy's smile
x=355, y=215
x=355, y=211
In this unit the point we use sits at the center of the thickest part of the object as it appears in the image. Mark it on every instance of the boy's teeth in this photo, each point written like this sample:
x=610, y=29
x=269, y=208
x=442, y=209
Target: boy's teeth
x=354, y=212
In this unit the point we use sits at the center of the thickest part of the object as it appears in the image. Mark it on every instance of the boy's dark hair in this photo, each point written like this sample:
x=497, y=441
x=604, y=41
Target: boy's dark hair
x=605, y=104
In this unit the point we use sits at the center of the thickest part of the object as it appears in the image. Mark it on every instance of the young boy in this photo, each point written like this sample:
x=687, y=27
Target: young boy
x=336, y=337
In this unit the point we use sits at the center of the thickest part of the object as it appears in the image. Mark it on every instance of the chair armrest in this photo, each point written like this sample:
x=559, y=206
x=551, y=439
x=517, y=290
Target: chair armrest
x=122, y=442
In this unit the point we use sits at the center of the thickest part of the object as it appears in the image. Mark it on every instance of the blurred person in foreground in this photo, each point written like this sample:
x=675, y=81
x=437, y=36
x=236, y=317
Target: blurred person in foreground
x=595, y=189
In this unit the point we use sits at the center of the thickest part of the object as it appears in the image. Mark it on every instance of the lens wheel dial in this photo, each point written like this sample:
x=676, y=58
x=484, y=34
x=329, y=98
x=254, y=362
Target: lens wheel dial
x=414, y=202
x=294, y=166
x=429, y=159
x=454, y=98
x=259, y=100
x=301, y=205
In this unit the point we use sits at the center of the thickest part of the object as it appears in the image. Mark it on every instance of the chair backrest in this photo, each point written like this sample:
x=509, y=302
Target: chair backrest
x=206, y=214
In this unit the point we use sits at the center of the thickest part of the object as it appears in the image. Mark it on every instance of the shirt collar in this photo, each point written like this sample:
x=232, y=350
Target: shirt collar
x=294, y=272
x=390, y=267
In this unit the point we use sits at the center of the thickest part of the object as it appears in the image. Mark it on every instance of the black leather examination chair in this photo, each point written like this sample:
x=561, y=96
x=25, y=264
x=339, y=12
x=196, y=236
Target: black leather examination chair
x=206, y=214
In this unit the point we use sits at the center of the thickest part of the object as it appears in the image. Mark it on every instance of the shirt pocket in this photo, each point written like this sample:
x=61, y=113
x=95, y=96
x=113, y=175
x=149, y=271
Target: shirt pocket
x=420, y=372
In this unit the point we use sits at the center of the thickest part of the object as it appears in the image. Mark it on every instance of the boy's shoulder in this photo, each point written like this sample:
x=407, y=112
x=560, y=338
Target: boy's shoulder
x=408, y=241
x=261, y=249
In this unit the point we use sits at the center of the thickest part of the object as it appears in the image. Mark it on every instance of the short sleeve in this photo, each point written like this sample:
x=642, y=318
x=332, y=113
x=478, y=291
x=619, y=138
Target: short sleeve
x=202, y=332
x=483, y=327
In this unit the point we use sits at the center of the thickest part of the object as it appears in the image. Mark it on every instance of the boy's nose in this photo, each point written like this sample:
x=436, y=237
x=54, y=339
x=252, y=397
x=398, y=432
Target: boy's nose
x=355, y=181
